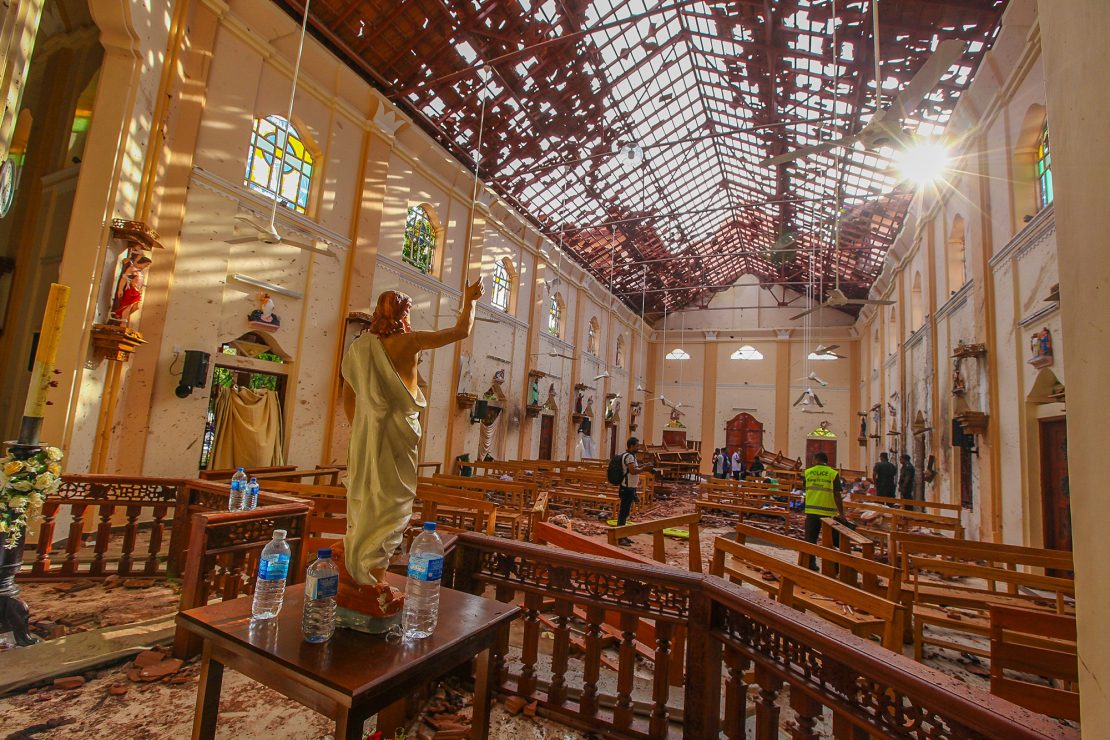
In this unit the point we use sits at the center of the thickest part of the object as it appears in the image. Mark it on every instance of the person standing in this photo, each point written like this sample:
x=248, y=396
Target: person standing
x=737, y=465
x=629, y=483
x=906, y=479
x=718, y=463
x=886, y=476
x=822, y=499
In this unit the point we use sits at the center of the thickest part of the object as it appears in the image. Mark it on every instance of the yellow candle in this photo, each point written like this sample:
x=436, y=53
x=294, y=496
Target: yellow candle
x=50, y=335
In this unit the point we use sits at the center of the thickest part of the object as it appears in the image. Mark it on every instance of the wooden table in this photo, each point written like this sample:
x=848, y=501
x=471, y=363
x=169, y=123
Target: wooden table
x=353, y=675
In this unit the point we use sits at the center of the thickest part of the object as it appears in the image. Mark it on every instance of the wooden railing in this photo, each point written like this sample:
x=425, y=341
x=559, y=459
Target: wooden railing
x=739, y=640
x=107, y=515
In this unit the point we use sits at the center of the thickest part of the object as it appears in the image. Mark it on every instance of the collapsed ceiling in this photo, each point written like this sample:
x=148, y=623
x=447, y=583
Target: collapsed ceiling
x=631, y=131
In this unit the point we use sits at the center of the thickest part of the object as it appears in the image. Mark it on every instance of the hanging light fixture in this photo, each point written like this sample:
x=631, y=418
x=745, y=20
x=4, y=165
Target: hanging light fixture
x=631, y=155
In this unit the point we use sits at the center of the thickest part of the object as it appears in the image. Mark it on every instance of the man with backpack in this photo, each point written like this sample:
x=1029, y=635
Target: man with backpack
x=624, y=472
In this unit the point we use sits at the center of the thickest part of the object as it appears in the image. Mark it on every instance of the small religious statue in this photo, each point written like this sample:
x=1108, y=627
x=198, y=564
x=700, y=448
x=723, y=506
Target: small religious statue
x=676, y=417
x=633, y=415
x=498, y=381
x=589, y=412
x=129, y=286
x=862, y=438
x=959, y=384
x=264, y=316
x=1040, y=344
x=534, y=391
x=578, y=398
x=550, y=403
x=383, y=404
x=612, y=410
x=619, y=361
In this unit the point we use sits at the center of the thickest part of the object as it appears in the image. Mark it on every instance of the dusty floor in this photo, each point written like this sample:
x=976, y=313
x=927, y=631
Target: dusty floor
x=109, y=705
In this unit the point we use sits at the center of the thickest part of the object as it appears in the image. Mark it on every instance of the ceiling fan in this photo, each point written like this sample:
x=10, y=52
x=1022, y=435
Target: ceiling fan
x=837, y=299
x=816, y=379
x=885, y=127
x=268, y=234
x=808, y=398
x=552, y=353
x=827, y=351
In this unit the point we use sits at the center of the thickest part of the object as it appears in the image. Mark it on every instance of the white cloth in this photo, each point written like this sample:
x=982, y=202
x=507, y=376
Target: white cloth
x=381, y=458
x=736, y=460
x=719, y=464
x=631, y=480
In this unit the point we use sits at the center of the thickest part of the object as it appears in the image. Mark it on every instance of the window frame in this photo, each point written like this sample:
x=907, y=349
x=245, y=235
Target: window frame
x=1042, y=170
x=303, y=165
x=502, y=285
x=555, y=316
x=430, y=233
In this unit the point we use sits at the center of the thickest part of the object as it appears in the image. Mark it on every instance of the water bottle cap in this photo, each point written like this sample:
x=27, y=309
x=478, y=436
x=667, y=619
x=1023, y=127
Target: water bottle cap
x=279, y=534
x=253, y=479
x=324, y=553
x=429, y=526
x=240, y=470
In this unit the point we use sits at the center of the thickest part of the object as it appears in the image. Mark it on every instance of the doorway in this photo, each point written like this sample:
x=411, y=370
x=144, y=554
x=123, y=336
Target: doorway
x=1055, y=491
x=826, y=445
x=547, y=434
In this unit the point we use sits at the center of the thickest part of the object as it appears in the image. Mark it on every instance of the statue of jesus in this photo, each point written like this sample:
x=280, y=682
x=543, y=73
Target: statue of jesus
x=383, y=404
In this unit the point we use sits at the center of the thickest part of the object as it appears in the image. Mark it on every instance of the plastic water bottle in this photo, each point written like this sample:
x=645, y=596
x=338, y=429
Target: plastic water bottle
x=250, y=500
x=422, y=590
x=238, y=490
x=269, y=589
x=320, y=587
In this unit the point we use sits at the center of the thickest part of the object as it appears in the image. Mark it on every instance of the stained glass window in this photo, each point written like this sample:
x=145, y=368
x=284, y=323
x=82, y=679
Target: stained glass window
x=554, y=316
x=272, y=134
x=1044, y=171
x=501, y=287
x=420, y=239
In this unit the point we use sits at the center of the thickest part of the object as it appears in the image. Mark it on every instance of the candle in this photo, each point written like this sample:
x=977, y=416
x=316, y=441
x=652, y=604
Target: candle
x=50, y=336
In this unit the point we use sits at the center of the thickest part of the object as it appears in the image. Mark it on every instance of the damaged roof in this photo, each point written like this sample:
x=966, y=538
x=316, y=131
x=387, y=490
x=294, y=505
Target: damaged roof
x=700, y=92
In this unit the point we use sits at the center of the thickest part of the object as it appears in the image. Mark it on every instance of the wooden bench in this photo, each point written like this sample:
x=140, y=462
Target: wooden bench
x=455, y=512
x=658, y=542
x=965, y=608
x=860, y=611
x=902, y=519
x=901, y=503
x=226, y=473
x=1035, y=643
x=513, y=500
x=327, y=521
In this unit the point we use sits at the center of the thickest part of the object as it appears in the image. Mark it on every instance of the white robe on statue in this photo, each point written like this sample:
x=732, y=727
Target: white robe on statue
x=381, y=457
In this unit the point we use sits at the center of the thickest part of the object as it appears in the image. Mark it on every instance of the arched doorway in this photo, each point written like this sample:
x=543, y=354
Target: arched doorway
x=821, y=439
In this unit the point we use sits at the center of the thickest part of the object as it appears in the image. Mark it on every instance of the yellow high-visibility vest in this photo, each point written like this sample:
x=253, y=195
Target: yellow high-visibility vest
x=819, y=491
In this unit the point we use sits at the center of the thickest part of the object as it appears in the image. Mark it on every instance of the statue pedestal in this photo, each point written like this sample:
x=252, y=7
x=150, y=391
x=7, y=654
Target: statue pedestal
x=373, y=609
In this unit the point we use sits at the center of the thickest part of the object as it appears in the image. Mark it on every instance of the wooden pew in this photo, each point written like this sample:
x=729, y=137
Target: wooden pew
x=513, y=500
x=901, y=503
x=459, y=513
x=226, y=473
x=1035, y=643
x=659, y=546
x=327, y=521
x=319, y=476
x=863, y=613
x=902, y=519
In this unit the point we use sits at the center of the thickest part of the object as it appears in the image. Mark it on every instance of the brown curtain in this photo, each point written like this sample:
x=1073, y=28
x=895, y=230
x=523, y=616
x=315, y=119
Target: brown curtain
x=249, y=430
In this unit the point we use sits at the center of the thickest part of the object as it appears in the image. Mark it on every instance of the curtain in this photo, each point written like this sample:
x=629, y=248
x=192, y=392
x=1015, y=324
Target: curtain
x=249, y=429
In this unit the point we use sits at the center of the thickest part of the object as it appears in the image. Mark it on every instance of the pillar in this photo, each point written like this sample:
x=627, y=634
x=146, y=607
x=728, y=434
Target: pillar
x=1076, y=57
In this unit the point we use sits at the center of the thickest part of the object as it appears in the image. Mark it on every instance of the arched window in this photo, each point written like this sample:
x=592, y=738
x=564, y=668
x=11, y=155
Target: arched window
x=502, y=286
x=1044, y=170
x=419, y=247
x=292, y=185
x=957, y=256
x=619, y=362
x=555, y=315
x=747, y=352
x=917, y=310
x=591, y=336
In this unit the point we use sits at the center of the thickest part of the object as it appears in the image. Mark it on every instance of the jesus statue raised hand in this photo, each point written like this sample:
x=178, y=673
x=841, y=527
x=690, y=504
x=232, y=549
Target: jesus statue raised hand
x=383, y=404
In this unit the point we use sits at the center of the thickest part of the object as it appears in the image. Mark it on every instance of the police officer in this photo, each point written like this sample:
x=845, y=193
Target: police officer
x=822, y=498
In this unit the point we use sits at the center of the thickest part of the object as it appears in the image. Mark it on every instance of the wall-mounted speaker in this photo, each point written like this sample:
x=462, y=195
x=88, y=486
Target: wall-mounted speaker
x=194, y=372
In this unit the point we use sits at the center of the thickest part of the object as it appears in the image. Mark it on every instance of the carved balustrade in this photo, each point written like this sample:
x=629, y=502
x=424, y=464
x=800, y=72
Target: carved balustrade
x=747, y=656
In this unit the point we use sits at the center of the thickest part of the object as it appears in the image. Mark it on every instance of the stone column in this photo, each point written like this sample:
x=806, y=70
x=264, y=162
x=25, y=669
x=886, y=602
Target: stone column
x=709, y=402
x=1076, y=58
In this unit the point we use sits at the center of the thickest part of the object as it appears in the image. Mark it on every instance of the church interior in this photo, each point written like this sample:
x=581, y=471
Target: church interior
x=739, y=240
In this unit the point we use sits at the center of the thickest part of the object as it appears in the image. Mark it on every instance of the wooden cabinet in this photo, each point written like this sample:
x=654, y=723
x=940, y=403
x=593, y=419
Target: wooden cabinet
x=745, y=433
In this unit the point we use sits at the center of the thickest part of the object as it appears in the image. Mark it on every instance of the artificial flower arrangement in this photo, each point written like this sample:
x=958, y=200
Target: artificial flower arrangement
x=24, y=485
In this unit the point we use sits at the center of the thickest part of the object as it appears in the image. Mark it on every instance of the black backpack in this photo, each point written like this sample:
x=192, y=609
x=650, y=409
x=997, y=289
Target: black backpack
x=615, y=474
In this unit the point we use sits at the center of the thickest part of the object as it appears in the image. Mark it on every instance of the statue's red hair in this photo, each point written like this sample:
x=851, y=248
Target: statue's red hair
x=391, y=315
